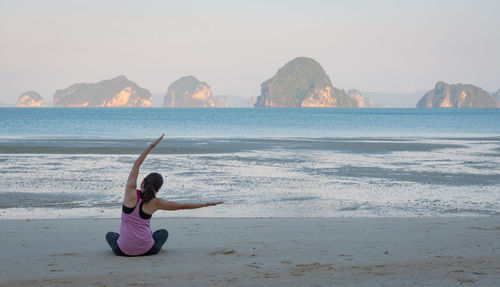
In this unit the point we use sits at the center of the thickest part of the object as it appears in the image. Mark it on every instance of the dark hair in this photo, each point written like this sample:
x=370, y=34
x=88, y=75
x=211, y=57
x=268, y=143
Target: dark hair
x=152, y=183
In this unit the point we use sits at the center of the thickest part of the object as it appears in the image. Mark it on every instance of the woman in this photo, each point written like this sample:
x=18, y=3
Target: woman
x=135, y=236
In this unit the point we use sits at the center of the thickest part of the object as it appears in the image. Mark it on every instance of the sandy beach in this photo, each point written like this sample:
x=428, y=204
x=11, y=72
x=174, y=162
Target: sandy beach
x=258, y=252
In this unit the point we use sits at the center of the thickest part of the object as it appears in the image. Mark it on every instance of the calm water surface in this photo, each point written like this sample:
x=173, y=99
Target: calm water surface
x=73, y=162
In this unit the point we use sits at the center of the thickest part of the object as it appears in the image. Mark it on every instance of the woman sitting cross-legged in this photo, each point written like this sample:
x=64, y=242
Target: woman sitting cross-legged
x=136, y=237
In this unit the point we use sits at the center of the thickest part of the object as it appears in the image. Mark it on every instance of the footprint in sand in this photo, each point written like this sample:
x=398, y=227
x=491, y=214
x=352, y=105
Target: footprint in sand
x=347, y=257
x=301, y=269
x=254, y=265
x=485, y=228
x=465, y=280
x=223, y=252
x=379, y=273
x=66, y=254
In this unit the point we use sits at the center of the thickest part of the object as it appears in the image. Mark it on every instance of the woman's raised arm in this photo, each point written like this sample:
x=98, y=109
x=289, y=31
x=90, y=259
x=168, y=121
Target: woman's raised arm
x=131, y=185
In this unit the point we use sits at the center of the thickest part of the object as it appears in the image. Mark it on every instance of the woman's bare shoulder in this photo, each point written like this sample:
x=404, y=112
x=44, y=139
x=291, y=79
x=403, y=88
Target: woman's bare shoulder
x=130, y=198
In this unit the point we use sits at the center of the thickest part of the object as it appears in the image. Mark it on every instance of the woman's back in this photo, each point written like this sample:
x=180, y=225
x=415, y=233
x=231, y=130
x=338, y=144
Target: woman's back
x=135, y=231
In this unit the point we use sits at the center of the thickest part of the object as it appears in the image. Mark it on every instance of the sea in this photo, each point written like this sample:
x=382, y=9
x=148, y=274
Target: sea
x=262, y=162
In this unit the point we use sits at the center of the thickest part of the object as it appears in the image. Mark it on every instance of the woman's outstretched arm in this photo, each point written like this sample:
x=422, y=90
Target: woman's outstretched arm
x=171, y=205
x=131, y=186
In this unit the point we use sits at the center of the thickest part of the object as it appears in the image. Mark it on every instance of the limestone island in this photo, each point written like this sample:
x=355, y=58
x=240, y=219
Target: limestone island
x=188, y=92
x=30, y=99
x=361, y=102
x=302, y=82
x=230, y=101
x=496, y=95
x=457, y=96
x=116, y=92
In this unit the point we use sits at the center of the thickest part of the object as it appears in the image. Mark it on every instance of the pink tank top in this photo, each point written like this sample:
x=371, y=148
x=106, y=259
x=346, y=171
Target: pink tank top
x=136, y=237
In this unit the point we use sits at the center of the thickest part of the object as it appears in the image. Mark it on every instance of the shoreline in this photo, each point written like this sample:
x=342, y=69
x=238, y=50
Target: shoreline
x=283, y=251
x=202, y=217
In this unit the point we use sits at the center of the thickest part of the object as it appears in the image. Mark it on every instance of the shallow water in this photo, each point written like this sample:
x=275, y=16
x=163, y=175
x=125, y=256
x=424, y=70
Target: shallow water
x=258, y=177
x=73, y=162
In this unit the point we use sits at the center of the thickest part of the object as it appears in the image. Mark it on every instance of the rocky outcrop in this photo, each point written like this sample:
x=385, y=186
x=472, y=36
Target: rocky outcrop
x=230, y=101
x=320, y=97
x=251, y=102
x=457, y=96
x=117, y=92
x=221, y=101
x=361, y=102
x=188, y=92
x=302, y=82
x=30, y=99
x=496, y=95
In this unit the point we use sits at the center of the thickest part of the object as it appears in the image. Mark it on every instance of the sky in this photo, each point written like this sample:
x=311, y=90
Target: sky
x=374, y=46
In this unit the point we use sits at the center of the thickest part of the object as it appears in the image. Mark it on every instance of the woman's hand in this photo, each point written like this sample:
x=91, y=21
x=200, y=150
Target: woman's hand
x=214, y=203
x=157, y=141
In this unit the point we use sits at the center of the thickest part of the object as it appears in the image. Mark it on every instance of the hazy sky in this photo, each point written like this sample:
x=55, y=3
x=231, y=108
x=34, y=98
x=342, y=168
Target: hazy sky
x=374, y=46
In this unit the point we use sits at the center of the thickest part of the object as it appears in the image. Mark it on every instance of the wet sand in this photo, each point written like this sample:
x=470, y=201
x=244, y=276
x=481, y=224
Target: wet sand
x=258, y=252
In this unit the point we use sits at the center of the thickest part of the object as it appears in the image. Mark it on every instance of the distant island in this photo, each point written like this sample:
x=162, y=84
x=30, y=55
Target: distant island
x=302, y=82
x=188, y=92
x=230, y=101
x=116, y=92
x=496, y=95
x=30, y=99
x=5, y=105
x=361, y=102
x=457, y=96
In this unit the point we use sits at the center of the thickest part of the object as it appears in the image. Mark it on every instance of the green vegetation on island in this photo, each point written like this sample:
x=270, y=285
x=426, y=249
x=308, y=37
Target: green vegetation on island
x=188, y=92
x=302, y=82
x=116, y=92
x=457, y=96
